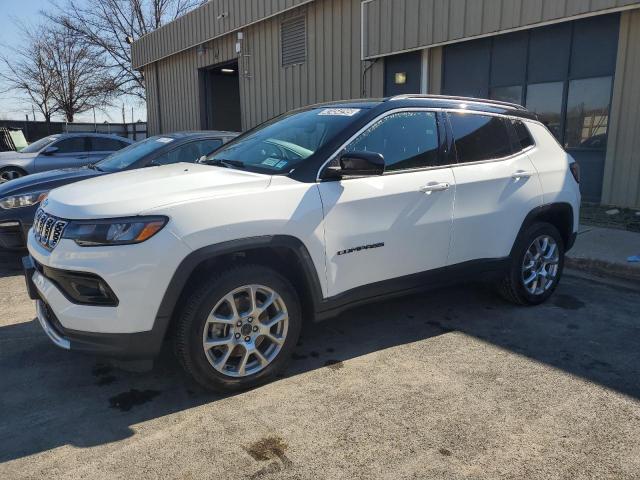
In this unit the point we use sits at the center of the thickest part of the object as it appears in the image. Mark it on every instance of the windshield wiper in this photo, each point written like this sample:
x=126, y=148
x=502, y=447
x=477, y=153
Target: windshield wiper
x=220, y=162
x=94, y=166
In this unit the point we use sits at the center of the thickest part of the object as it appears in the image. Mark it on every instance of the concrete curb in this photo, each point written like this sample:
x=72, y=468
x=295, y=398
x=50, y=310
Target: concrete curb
x=603, y=268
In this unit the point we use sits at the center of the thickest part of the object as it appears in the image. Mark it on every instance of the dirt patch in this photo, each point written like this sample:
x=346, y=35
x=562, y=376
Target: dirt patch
x=267, y=448
x=125, y=401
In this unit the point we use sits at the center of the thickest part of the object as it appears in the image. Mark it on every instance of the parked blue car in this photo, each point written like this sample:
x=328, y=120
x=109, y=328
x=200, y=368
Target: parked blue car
x=67, y=150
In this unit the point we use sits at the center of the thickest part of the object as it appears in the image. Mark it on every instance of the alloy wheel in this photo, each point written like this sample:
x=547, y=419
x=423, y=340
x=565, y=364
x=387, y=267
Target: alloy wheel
x=245, y=331
x=7, y=175
x=540, y=265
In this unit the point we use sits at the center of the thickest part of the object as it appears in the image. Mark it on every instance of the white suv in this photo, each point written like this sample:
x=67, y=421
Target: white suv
x=307, y=215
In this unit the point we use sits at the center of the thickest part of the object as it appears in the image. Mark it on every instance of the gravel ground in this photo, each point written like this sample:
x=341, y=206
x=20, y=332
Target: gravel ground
x=453, y=384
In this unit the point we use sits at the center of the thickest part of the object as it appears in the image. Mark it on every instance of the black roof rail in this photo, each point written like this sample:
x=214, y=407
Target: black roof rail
x=485, y=101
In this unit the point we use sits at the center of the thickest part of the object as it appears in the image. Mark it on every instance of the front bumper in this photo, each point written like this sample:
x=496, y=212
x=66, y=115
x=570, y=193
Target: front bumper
x=13, y=234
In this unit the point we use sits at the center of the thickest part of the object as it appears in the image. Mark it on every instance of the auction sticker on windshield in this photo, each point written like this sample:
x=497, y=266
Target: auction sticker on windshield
x=341, y=112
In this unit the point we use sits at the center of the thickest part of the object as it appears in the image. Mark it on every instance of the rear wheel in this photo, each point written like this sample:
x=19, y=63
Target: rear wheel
x=10, y=173
x=239, y=329
x=536, y=265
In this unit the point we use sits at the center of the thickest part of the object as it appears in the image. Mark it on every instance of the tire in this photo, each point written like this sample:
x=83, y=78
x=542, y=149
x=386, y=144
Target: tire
x=518, y=286
x=10, y=173
x=219, y=366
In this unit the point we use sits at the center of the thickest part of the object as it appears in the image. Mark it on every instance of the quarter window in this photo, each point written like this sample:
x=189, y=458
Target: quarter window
x=479, y=137
x=406, y=140
x=523, y=136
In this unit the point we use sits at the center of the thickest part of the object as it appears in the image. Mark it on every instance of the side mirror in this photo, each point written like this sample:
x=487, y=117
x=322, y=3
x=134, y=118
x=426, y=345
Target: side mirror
x=50, y=150
x=202, y=159
x=361, y=164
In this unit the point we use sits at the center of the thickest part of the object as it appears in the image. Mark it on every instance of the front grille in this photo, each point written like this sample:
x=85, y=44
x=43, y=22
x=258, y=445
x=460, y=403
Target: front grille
x=48, y=229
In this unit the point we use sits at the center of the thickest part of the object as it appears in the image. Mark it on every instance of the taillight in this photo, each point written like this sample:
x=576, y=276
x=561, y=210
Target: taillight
x=575, y=170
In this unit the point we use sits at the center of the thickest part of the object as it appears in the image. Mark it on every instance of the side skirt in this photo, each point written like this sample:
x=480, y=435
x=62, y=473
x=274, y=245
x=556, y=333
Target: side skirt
x=474, y=270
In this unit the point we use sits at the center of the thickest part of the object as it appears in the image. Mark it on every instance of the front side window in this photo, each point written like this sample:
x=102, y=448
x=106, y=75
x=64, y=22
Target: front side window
x=479, y=137
x=406, y=140
x=278, y=146
x=207, y=147
x=71, y=145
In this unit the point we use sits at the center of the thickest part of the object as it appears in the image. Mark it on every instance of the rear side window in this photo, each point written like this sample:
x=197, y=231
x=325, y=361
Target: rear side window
x=523, y=138
x=406, y=140
x=479, y=137
x=99, y=144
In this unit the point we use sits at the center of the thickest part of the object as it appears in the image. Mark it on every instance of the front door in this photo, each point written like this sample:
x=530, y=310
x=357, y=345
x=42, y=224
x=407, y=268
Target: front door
x=72, y=152
x=397, y=224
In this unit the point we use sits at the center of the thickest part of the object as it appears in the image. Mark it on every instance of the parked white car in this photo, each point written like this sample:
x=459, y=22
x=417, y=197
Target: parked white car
x=309, y=214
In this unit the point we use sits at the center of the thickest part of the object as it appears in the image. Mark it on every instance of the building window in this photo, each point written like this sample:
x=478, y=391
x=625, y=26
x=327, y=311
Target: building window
x=588, y=113
x=293, y=41
x=511, y=94
x=545, y=99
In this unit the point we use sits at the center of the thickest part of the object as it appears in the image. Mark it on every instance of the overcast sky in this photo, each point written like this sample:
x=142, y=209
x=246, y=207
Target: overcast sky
x=11, y=106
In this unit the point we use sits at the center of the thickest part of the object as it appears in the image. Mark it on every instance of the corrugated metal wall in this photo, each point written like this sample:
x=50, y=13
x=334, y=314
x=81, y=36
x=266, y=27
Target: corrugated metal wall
x=622, y=166
x=398, y=25
x=213, y=19
x=333, y=69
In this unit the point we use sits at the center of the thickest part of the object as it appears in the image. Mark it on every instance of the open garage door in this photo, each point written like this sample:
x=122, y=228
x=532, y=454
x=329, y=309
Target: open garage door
x=220, y=97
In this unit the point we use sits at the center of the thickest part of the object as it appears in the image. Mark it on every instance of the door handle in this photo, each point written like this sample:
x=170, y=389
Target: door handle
x=434, y=187
x=521, y=174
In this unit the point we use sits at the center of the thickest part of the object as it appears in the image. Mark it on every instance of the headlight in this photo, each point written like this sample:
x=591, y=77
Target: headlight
x=25, y=200
x=120, y=231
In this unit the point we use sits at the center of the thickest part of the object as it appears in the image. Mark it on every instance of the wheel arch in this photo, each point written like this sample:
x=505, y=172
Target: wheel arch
x=14, y=167
x=286, y=254
x=559, y=214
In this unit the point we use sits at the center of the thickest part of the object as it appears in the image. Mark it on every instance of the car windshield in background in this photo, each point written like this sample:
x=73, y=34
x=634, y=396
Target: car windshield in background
x=278, y=146
x=128, y=156
x=38, y=145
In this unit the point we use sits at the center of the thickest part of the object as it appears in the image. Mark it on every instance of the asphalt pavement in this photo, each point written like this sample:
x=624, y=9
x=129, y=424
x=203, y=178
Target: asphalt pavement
x=453, y=384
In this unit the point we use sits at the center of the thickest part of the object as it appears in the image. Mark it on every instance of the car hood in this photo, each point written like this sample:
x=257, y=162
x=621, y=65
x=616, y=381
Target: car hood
x=40, y=182
x=135, y=192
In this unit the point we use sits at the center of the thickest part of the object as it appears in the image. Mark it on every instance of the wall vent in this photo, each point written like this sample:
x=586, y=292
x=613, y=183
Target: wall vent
x=293, y=41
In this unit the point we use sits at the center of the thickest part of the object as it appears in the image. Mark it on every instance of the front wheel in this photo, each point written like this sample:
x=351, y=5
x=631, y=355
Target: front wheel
x=536, y=265
x=10, y=173
x=239, y=329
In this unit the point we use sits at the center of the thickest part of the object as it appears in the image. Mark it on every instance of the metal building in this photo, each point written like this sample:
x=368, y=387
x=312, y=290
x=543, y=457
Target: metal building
x=232, y=64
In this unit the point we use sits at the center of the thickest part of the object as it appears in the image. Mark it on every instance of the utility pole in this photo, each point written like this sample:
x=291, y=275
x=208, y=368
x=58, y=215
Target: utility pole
x=133, y=125
x=95, y=125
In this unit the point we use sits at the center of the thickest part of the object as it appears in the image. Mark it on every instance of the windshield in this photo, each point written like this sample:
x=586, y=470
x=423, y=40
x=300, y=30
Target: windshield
x=128, y=156
x=278, y=146
x=39, y=144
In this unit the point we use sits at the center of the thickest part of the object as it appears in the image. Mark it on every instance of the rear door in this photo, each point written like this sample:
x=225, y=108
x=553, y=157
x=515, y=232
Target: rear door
x=72, y=152
x=390, y=226
x=496, y=186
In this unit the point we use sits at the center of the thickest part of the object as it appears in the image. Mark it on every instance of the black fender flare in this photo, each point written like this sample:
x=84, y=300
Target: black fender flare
x=189, y=264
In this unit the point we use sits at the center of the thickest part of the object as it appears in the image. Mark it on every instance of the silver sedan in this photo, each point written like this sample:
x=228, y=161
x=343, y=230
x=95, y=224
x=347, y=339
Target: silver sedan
x=68, y=150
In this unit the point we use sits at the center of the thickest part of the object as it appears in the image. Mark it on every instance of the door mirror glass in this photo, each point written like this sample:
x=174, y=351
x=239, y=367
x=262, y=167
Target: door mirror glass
x=361, y=164
x=50, y=150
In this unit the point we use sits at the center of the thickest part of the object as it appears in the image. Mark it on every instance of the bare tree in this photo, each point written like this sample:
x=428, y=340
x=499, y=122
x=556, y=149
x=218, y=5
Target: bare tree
x=81, y=81
x=29, y=70
x=109, y=26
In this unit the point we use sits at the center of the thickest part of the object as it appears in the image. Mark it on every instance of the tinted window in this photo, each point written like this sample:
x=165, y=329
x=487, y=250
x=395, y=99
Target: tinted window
x=588, y=113
x=101, y=144
x=522, y=135
x=545, y=99
x=479, y=137
x=406, y=140
x=71, y=145
x=189, y=152
x=209, y=146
